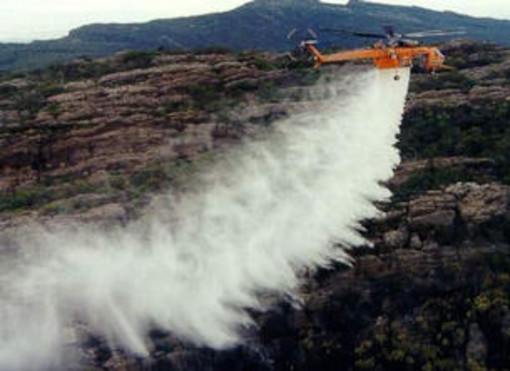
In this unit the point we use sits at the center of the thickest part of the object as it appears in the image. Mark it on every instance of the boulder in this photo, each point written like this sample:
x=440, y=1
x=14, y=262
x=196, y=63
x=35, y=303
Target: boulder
x=396, y=238
x=433, y=214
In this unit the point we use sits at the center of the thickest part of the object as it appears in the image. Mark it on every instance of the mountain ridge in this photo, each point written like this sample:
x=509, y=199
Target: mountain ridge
x=257, y=25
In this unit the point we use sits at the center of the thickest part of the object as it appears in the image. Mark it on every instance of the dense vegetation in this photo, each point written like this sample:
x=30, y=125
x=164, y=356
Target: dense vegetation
x=406, y=322
x=474, y=128
x=466, y=130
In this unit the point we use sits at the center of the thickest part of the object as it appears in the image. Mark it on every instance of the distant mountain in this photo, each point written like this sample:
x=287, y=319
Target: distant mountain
x=260, y=24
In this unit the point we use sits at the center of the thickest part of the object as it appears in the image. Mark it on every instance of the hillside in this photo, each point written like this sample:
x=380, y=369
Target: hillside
x=171, y=111
x=95, y=140
x=259, y=25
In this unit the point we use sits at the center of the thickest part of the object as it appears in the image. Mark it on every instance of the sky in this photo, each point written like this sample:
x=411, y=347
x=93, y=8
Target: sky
x=26, y=20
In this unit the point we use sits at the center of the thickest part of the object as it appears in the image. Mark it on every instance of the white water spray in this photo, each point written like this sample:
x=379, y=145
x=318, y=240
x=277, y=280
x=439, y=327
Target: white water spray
x=196, y=263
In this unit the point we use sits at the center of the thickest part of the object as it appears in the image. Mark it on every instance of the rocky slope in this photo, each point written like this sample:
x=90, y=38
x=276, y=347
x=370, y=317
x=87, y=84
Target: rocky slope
x=72, y=142
x=93, y=141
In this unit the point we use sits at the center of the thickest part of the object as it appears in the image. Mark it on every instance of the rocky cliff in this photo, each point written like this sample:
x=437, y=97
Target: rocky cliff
x=76, y=139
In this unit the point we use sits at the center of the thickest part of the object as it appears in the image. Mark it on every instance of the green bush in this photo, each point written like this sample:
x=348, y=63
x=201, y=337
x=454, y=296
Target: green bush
x=137, y=59
x=263, y=64
x=25, y=198
x=57, y=207
x=53, y=109
x=50, y=89
x=28, y=103
x=7, y=90
x=204, y=95
x=118, y=182
x=150, y=179
x=170, y=106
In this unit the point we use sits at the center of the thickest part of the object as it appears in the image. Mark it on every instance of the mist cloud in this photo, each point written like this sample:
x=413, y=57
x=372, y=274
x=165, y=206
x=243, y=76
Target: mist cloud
x=195, y=263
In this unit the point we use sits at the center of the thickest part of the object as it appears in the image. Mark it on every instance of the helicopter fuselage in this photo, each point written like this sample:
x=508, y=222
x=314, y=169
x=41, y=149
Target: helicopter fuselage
x=385, y=57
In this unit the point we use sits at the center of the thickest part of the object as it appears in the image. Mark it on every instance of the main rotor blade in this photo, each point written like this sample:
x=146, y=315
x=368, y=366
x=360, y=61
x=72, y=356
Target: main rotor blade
x=312, y=33
x=372, y=35
x=353, y=33
x=434, y=33
x=291, y=34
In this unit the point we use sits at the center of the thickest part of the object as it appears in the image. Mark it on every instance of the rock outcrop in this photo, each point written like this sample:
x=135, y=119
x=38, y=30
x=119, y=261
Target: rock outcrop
x=126, y=133
x=124, y=120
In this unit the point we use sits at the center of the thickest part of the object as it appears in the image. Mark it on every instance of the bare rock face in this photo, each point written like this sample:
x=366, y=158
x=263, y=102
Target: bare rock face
x=415, y=243
x=448, y=216
x=457, y=97
x=480, y=204
x=125, y=134
x=124, y=120
x=434, y=209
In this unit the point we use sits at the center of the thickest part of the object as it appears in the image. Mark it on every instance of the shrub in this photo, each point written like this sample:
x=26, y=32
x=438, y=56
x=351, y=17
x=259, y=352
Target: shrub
x=137, y=59
x=176, y=105
x=118, y=182
x=27, y=103
x=7, y=90
x=50, y=89
x=150, y=179
x=263, y=64
x=204, y=95
x=54, y=109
